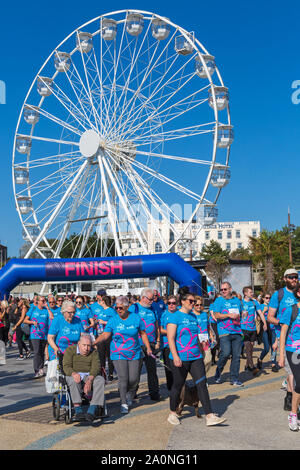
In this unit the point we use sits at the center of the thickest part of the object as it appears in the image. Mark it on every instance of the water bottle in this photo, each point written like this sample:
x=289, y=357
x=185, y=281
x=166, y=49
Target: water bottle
x=2, y=353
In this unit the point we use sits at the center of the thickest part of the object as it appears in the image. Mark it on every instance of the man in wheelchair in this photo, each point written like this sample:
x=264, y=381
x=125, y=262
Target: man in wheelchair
x=81, y=366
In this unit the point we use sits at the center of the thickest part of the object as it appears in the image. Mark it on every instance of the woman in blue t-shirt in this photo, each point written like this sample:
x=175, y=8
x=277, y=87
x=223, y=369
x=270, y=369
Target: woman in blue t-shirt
x=125, y=349
x=38, y=319
x=289, y=348
x=268, y=337
x=186, y=356
x=172, y=305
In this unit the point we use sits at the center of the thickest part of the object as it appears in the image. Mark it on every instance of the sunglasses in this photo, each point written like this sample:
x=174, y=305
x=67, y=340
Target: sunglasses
x=292, y=277
x=198, y=305
x=224, y=289
x=119, y=308
x=172, y=303
x=191, y=301
x=267, y=297
x=150, y=300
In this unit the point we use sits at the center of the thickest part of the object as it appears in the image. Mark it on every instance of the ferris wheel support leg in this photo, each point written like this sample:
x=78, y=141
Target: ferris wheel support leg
x=55, y=213
x=72, y=212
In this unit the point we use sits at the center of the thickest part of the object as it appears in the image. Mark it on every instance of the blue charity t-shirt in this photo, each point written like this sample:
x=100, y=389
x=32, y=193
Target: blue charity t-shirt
x=211, y=309
x=293, y=338
x=266, y=308
x=42, y=318
x=164, y=321
x=287, y=301
x=186, y=339
x=125, y=342
x=56, y=311
x=83, y=314
x=202, y=320
x=149, y=319
x=65, y=333
x=228, y=326
x=159, y=307
x=248, y=319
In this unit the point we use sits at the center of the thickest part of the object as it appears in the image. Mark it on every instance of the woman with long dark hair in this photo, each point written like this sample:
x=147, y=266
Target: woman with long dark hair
x=186, y=357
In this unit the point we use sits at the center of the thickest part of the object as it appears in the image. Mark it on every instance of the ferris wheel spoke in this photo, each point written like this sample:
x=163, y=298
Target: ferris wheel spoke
x=84, y=94
x=162, y=208
x=136, y=187
x=95, y=114
x=111, y=213
x=57, y=209
x=175, y=158
x=186, y=103
x=132, y=100
x=44, y=161
x=166, y=180
x=158, y=89
x=71, y=108
x=134, y=59
x=47, y=139
x=73, y=210
x=173, y=135
x=125, y=206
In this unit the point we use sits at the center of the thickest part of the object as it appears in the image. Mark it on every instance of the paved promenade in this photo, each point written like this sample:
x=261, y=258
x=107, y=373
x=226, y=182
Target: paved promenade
x=255, y=416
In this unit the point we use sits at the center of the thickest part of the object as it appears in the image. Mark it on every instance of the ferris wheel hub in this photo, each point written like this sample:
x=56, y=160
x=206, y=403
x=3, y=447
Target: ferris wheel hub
x=89, y=143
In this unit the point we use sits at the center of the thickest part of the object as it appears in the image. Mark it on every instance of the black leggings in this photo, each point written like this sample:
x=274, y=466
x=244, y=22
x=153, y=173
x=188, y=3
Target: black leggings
x=168, y=372
x=197, y=370
x=104, y=353
x=20, y=342
x=294, y=362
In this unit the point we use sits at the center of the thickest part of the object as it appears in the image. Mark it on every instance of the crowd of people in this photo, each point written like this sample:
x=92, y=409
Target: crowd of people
x=114, y=336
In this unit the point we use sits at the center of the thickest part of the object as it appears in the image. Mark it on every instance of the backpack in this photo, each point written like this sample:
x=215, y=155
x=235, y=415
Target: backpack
x=280, y=297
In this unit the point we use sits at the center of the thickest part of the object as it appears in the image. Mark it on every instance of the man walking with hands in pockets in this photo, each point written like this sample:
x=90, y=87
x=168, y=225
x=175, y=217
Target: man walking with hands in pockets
x=227, y=311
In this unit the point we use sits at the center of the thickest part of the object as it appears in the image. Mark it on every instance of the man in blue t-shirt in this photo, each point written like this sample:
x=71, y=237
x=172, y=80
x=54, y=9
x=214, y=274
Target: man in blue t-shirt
x=227, y=311
x=150, y=321
x=280, y=301
x=158, y=304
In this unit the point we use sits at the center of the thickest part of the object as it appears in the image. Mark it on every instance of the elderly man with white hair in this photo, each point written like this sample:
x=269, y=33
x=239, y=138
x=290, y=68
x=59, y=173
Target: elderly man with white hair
x=149, y=318
x=81, y=365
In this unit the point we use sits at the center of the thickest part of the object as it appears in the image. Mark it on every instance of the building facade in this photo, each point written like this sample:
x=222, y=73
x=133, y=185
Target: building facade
x=230, y=235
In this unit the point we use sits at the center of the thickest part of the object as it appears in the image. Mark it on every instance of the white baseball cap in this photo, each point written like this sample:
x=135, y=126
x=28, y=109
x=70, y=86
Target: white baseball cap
x=290, y=271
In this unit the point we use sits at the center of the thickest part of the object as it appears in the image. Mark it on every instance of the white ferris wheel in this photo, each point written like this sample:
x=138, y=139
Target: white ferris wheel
x=127, y=117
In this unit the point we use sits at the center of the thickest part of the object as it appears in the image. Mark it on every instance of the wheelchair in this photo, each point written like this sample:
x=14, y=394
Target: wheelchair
x=62, y=405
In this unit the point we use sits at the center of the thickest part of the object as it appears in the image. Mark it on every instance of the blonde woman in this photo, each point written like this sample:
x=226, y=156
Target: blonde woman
x=23, y=307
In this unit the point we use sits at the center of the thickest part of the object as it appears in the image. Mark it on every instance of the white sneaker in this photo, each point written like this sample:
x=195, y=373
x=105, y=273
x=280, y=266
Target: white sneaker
x=129, y=398
x=172, y=419
x=214, y=420
x=124, y=409
x=293, y=422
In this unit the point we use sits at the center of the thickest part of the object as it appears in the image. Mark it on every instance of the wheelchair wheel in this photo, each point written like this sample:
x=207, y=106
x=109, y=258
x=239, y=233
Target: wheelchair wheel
x=56, y=407
x=68, y=409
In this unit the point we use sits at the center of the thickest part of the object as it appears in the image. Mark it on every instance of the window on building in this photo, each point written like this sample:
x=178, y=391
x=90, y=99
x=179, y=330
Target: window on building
x=228, y=246
x=238, y=234
x=206, y=235
x=219, y=235
x=240, y=245
x=228, y=233
x=158, y=247
x=254, y=233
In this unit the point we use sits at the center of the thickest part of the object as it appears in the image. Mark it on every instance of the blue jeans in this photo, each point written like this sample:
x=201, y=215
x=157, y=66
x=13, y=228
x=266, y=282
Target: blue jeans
x=230, y=345
x=268, y=339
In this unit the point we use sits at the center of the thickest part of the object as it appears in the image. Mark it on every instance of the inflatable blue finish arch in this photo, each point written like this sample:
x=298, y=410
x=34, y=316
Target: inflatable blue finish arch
x=127, y=267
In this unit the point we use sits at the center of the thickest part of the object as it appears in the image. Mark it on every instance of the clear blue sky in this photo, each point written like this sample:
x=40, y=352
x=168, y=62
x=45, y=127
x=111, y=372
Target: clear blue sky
x=256, y=45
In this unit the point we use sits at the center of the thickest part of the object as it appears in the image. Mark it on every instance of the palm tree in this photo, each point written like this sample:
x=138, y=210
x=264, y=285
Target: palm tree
x=264, y=248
